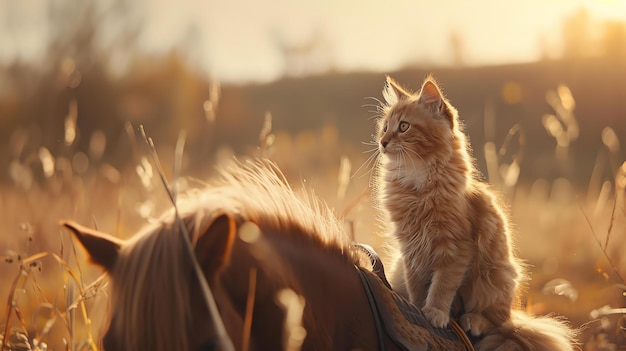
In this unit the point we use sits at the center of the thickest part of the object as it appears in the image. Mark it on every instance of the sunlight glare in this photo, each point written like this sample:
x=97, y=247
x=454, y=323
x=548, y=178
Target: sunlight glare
x=242, y=40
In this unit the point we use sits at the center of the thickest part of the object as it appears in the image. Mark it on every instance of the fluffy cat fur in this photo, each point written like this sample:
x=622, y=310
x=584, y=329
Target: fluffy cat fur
x=451, y=232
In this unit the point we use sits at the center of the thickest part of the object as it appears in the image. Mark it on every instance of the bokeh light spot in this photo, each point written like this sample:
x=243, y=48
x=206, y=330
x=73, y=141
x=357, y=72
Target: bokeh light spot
x=512, y=93
x=80, y=162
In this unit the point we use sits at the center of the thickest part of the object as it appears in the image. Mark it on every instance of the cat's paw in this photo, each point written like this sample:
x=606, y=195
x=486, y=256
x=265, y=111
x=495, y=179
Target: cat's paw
x=436, y=317
x=475, y=324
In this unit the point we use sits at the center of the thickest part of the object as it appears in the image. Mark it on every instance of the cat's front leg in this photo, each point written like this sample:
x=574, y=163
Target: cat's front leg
x=415, y=285
x=398, y=278
x=443, y=288
x=437, y=318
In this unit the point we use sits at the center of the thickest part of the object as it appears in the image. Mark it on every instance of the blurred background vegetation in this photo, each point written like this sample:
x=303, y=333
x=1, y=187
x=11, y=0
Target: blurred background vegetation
x=78, y=78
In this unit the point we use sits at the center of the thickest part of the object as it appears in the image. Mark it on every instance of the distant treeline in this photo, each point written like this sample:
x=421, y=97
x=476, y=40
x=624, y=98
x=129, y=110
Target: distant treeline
x=75, y=100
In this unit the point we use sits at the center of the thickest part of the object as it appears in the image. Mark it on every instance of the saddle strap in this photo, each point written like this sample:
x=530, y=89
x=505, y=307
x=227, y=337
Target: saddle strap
x=461, y=333
x=377, y=265
x=374, y=308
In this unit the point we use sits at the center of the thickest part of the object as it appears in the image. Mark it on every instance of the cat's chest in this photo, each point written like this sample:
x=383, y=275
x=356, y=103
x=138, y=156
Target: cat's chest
x=411, y=212
x=413, y=178
x=418, y=213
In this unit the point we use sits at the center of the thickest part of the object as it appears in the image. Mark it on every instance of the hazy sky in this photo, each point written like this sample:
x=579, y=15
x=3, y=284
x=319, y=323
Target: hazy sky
x=240, y=40
x=242, y=35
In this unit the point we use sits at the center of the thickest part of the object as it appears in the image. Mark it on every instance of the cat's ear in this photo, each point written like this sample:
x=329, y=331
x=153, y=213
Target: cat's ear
x=430, y=94
x=432, y=97
x=393, y=91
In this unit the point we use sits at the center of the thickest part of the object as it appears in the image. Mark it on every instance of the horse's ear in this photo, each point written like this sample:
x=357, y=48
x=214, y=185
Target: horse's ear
x=214, y=245
x=102, y=248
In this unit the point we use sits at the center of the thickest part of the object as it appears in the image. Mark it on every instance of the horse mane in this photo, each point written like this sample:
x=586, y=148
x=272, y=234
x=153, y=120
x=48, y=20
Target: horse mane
x=257, y=191
x=152, y=274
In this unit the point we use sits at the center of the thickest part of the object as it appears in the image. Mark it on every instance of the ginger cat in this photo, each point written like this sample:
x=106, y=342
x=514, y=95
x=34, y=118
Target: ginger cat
x=451, y=232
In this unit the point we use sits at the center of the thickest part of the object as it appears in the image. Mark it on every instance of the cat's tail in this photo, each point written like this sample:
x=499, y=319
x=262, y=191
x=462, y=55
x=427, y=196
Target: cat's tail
x=526, y=332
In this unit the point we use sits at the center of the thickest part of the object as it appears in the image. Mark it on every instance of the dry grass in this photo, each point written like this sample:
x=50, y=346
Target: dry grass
x=572, y=238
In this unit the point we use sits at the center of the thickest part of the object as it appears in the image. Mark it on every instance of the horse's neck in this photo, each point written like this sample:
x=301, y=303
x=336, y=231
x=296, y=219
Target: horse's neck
x=231, y=319
x=267, y=275
x=281, y=272
x=253, y=278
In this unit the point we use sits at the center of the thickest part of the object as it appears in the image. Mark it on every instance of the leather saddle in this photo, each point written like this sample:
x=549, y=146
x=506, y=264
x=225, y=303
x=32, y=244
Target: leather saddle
x=402, y=321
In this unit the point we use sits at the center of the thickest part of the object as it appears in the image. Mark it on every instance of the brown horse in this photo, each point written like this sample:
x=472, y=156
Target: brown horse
x=282, y=273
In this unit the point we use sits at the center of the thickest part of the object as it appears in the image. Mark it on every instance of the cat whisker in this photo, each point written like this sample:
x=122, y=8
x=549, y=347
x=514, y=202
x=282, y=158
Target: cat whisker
x=370, y=150
x=377, y=112
x=374, y=168
x=372, y=105
x=370, y=143
x=375, y=116
x=380, y=107
x=377, y=108
x=372, y=159
x=380, y=103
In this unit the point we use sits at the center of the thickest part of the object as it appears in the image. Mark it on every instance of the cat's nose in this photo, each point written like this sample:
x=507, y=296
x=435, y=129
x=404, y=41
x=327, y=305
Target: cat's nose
x=384, y=143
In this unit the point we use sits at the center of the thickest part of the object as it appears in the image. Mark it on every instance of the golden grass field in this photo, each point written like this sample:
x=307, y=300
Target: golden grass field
x=572, y=239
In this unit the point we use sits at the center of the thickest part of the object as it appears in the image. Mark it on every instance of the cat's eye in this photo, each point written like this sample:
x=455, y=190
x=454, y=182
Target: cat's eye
x=385, y=127
x=404, y=126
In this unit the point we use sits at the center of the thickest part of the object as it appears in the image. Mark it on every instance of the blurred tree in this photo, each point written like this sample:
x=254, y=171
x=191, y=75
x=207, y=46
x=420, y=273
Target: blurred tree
x=93, y=80
x=576, y=40
x=614, y=41
x=81, y=38
x=91, y=32
x=307, y=57
x=458, y=52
